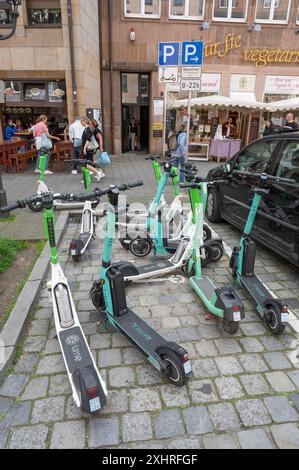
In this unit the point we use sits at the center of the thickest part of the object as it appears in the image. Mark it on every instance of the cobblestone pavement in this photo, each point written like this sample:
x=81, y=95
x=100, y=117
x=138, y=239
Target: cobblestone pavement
x=244, y=393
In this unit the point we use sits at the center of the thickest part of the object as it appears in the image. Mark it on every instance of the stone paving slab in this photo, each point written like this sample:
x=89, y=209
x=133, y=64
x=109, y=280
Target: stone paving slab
x=243, y=393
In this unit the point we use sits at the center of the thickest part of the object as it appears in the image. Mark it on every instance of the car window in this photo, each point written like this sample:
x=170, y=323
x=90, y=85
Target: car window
x=288, y=166
x=256, y=157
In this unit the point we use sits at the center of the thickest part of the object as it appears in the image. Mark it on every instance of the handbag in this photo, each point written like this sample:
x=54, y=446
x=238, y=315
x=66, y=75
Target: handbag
x=94, y=145
x=38, y=143
x=104, y=159
x=46, y=143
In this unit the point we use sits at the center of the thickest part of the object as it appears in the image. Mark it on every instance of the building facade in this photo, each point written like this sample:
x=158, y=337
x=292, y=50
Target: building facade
x=251, y=46
x=52, y=64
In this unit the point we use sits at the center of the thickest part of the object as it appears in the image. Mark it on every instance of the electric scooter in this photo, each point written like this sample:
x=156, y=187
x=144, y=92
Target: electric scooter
x=79, y=245
x=274, y=312
x=223, y=303
x=139, y=218
x=89, y=389
x=61, y=205
x=179, y=260
x=108, y=295
x=155, y=230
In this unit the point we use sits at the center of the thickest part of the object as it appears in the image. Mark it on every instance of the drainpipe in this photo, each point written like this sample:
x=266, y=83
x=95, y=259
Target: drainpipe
x=111, y=73
x=72, y=56
x=101, y=67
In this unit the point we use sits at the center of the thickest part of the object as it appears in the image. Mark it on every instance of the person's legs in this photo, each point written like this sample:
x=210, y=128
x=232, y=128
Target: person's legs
x=182, y=174
x=76, y=157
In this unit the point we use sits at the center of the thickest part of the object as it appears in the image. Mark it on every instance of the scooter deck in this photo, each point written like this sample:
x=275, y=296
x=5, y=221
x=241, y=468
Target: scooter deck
x=205, y=285
x=152, y=268
x=139, y=333
x=74, y=348
x=256, y=289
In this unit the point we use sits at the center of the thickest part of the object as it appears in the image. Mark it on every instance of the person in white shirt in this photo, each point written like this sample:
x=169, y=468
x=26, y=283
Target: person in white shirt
x=75, y=132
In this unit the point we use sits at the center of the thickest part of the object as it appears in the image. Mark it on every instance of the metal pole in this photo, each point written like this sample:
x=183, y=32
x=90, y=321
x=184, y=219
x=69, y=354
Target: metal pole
x=189, y=121
x=3, y=198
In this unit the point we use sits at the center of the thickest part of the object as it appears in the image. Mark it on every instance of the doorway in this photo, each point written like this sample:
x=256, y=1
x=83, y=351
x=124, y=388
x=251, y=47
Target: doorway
x=135, y=104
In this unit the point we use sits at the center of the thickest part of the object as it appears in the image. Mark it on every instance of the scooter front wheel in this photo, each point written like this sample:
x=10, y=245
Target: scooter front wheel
x=218, y=251
x=273, y=320
x=141, y=247
x=231, y=327
x=37, y=207
x=175, y=371
x=207, y=233
x=97, y=298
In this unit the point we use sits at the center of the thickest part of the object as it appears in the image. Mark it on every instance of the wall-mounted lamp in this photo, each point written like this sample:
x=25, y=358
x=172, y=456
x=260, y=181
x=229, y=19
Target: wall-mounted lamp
x=204, y=26
x=297, y=31
x=132, y=35
x=257, y=28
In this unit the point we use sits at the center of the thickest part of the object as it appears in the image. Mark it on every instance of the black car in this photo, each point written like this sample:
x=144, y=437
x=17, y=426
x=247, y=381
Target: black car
x=277, y=223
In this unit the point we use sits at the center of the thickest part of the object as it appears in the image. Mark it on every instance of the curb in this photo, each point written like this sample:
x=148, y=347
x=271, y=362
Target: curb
x=26, y=302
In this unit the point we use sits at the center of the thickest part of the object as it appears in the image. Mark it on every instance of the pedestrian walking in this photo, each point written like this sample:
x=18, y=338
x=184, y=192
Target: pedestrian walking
x=90, y=146
x=75, y=133
x=133, y=130
x=180, y=154
x=43, y=140
x=99, y=138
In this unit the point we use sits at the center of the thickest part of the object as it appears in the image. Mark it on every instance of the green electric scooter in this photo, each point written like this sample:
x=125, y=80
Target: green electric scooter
x=222, y=303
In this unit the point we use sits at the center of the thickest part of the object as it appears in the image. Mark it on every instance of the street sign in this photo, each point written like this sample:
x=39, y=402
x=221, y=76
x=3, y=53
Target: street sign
x=191, y=85
x=168, y=74
x=191, y=72
x=169, y=53
x=192, y=53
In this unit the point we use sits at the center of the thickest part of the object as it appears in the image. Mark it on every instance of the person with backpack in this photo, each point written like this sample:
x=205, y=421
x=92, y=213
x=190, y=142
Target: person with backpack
x=89, y=146
x=177, y=144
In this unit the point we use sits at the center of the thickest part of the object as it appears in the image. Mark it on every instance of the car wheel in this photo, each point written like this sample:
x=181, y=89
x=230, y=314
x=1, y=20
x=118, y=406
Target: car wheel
x=213, y=209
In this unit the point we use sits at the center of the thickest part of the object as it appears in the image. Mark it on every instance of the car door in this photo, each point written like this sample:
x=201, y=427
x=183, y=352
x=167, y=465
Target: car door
x=282, y=205
x=237, y=196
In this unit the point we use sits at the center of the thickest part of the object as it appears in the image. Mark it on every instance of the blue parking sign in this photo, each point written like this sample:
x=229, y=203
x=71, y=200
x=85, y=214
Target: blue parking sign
x=192, y=53
x=169, y=53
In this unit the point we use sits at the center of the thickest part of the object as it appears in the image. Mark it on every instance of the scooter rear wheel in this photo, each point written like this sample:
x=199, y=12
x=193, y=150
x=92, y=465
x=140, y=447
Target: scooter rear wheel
x=207, y=233
x=218, y=251
x=125, y=243
x=231, y=327
x=273, y=320
x=141, y=247
x=177, y=374
x=209, y=256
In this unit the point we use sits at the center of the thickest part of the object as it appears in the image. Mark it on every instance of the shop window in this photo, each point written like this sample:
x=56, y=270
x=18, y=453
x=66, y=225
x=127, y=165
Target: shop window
x=232, y=10
x=41, y=13
x=276, y=11
x=186, y=9
x=35, y=92
x=5, y=17
x=143, y=8
x=12, y=91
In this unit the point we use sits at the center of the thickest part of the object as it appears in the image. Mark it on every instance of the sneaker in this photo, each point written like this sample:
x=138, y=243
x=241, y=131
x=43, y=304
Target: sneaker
x=99, y=176
x=74, y=172
x=37, y=172
x=47, y=172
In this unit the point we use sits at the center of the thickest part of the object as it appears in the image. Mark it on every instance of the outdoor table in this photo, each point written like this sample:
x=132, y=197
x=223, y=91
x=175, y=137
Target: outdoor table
x=224, y=148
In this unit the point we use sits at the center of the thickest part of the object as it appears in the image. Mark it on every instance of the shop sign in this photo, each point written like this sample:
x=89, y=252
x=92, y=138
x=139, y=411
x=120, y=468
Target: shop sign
x=191, y=85
x=2, y=97
x=211, y=83
x=243, y=83
x=158, y=126
x=221, y=49
x=282, y=85
x=191, y=72
x=168, y=74
x=158, y=117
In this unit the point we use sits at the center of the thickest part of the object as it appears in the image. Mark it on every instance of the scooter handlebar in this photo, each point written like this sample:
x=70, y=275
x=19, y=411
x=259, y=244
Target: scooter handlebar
x=9, y=208
x=153, y=157
x=102, y=192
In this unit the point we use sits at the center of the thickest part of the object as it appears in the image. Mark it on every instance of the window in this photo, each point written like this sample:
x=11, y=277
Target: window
x=186, y=9
x=276, y=11
x=232, y=10
x=297, y=21
x=5, y=19
x=289, y=164
x=143, y=8
x=255, y=158
x=41, y=13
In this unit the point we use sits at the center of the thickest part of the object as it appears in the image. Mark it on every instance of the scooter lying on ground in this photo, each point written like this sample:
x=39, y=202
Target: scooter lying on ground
x=61, y=205
x=108, y=295
x=222, y=303
x=89, y=389
x=155, y=236
x=183, y=253
x=79, y=245
x=275, y=312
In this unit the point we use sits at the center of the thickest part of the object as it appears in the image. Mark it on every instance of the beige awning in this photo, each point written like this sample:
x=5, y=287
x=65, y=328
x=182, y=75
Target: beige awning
x=223, y=102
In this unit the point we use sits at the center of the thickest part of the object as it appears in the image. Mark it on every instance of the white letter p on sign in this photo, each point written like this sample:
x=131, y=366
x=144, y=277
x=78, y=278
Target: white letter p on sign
x=168, y=52
x=189, y=52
